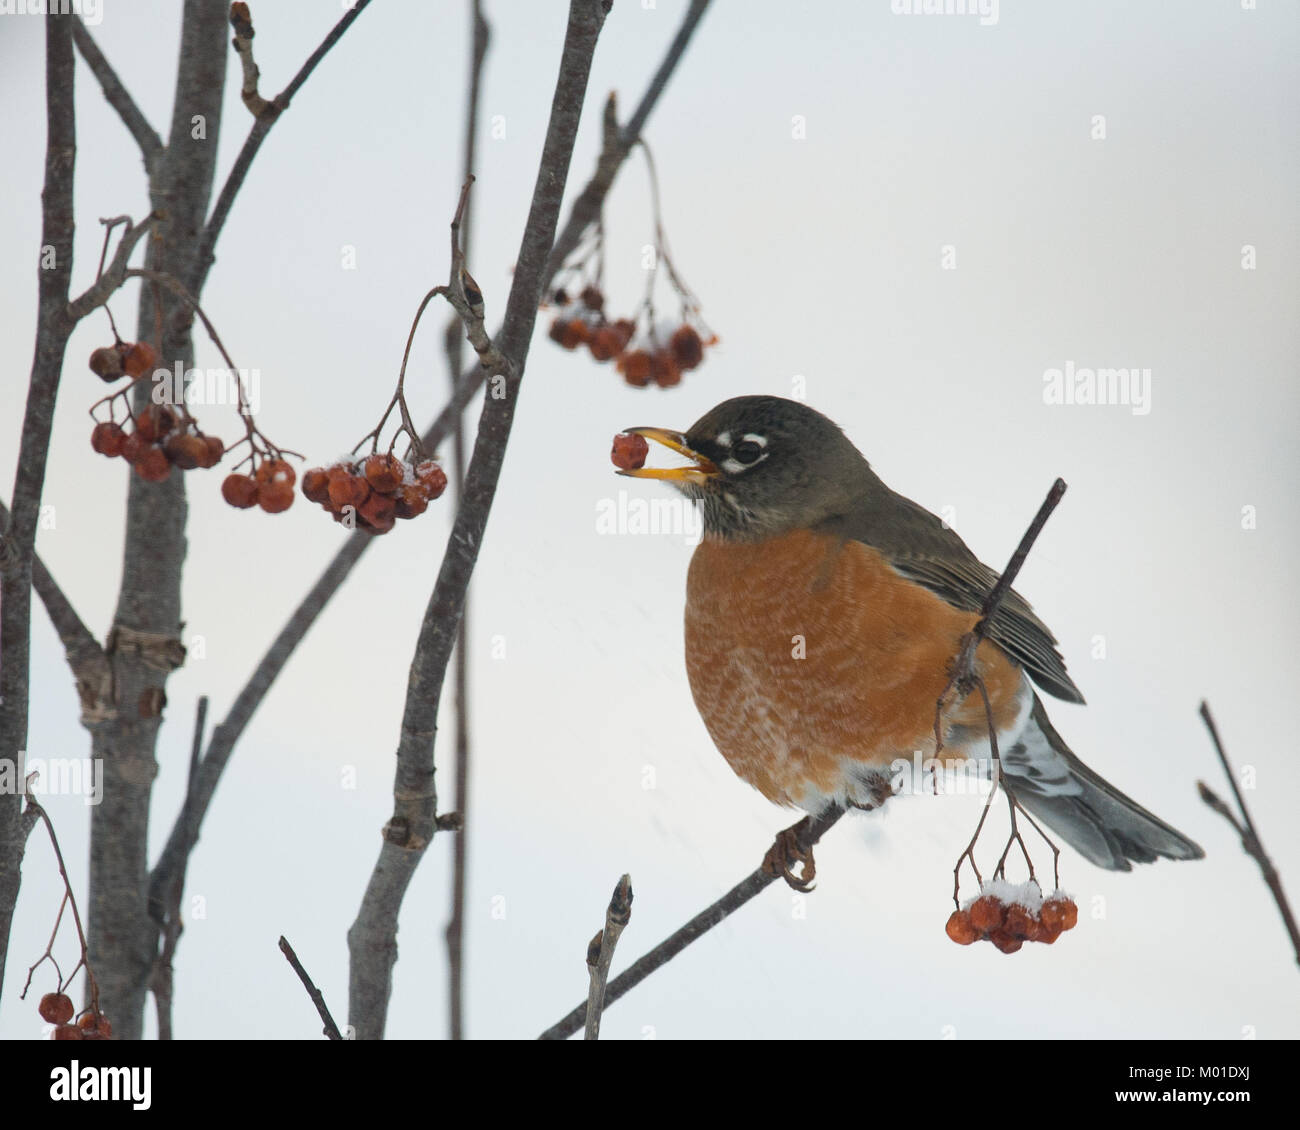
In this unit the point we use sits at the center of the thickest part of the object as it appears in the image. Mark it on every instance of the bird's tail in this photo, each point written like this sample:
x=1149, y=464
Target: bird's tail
x=1092, y=816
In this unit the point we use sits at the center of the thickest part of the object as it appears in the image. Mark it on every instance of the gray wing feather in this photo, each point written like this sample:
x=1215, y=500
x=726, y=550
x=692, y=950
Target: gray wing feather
x=923, y=549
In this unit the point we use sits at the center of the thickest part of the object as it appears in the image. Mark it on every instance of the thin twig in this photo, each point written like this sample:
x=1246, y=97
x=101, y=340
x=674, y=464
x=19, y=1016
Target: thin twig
x=110, y=278
x=261, y=127
x=752, y=885
x=587, y=207
x=36, y=810
x=600, y=953
x=964, y=678
x=1245, y=828
x=480, y=38
x=242, y=24
x=317, y=997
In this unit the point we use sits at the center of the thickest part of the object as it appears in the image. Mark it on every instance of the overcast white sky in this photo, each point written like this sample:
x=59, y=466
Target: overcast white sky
x=817, y=258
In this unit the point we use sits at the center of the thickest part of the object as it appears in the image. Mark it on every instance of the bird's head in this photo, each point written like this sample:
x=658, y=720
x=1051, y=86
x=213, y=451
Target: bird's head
x=760, y=466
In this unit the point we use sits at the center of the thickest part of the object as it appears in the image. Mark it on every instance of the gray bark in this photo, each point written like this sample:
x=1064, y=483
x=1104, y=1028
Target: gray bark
x=144, y=645
x=18, y=542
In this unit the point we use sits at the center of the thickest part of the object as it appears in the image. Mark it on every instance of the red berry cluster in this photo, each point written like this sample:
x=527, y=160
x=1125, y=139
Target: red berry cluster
x=270, y=486
x=123, y=359
x=375, y=491
x=159, y=440
x=653, y=358
x=1008, y=925
x=57, y=1009
x=629, y=452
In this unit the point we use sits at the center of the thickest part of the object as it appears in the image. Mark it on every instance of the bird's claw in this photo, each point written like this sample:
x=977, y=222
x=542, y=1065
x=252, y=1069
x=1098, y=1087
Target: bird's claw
x=789, y=848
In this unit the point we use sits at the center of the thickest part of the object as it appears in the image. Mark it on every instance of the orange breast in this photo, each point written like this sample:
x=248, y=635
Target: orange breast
x=813, y=662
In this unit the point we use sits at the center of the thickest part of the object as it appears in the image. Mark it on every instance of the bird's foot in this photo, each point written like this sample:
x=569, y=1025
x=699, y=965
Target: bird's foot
x=791, y=847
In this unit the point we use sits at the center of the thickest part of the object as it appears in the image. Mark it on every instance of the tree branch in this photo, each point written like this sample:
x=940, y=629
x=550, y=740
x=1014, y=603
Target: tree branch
x=480, y=38
x=261, y=127
x=372, y=940
x=757, y=881
x=77, y=639
x=586, y=209
x=600, y=953
x=1251, y=844
x=317, y=997
x=117, y=96
x=113, y=276
x=18, y=544
x=86, y=658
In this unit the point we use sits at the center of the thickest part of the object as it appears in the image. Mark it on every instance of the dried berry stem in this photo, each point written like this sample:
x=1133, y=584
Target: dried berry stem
x=964, y=678
x=34, y=808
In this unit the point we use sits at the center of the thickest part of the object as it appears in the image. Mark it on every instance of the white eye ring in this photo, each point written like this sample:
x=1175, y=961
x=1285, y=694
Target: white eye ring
x=735, y=466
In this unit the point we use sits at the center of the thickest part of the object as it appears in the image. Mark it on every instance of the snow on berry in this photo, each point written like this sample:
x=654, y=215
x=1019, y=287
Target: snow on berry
x=1009, y=914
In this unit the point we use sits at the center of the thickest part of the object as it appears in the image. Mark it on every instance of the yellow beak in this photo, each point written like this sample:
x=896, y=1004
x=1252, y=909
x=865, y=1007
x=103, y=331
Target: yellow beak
x=701, y=470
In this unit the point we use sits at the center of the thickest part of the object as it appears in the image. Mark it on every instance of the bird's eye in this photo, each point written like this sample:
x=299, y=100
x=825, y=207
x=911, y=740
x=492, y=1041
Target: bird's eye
x=746, y=451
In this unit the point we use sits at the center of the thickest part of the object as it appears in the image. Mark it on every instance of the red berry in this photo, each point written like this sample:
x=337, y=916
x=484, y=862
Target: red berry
x=412, y=500
x=960, y=929
x=155, y=422
x=68, y=1032
x=605, y=343
x=574, y=334
x=240, y=491
x=432, y=477
x=629, y=452
x=384, y=473
x=687, y=348
x=346, y=489
x=275, y=470
x=1059, y=914
x=56, y=1008
x=215, y=449
x=635, y=367
x=379, y=510
x=108, y=438
x=93, y=1026
x=664, y=370
x=1021, y=923
x=106, y=363
x=592, y=298
x=133, y=447
x=623, y=329
x=153, y=465
x=986, y=913
x=139, y=359
x=1006, y=941
x=186, y=451
x=275, y=496
x=316, y=485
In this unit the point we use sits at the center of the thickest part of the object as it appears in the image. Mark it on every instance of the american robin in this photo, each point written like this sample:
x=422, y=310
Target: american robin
x=823, y=613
